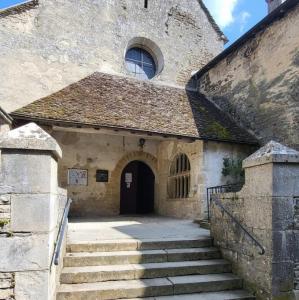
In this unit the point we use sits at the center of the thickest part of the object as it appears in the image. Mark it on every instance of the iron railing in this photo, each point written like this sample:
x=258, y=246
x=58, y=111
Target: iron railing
x=231, y=188
x=61, y=232
x=228, y=188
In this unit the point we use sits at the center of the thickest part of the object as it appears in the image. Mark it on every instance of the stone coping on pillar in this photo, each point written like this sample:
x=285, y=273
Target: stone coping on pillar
x=273, y=152
x=30, y=137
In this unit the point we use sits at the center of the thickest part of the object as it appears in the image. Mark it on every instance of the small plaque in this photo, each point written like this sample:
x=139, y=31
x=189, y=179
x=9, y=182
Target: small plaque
x=77, y=177
x=102, y=176
x=128, y=179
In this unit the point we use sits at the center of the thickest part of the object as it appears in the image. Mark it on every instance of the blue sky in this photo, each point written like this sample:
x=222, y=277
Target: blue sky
x=5, y=3
x=235, y=17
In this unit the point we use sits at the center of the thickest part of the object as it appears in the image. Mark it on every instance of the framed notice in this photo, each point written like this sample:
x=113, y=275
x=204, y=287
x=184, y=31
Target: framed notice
x=77, y=177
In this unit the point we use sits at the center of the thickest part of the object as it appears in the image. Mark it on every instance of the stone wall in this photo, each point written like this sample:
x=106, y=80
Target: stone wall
x=206, y=160
x=54, y=44
x=266, y=207
x=296, y=227
x=31, y=208
x=188, y=207
x=4, y=127
x=258, y=83
x=107, y=150
x=96, y=151
x=214, y=154
x=6, y=279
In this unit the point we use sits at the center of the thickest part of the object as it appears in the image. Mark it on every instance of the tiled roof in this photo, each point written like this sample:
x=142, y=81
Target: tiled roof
x=124, y=103
x=18, y=8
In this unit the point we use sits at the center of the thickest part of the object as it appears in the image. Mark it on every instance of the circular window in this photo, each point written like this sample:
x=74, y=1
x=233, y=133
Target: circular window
x=140, y=63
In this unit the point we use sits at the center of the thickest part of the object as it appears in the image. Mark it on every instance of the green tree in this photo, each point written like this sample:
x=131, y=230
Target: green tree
x=232, y=168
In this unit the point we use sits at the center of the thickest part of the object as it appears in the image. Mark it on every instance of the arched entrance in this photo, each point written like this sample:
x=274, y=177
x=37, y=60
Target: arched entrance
x=137, y=189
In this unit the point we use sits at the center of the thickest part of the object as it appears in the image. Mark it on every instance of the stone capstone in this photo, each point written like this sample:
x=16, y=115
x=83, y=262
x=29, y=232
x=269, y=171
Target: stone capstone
x=30, y=137
x=272, y=152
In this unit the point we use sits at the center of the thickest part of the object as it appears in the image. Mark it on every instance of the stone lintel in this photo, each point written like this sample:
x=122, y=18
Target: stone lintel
x=272, y=152
x=30, y=137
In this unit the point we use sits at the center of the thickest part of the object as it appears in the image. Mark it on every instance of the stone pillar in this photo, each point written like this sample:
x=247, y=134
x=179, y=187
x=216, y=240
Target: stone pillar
x=273, y=173
x=29, y=186
x=268, y=207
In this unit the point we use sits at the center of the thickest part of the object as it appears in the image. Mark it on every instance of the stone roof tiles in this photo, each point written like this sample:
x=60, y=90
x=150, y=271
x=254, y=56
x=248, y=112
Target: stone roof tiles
x=124, y=103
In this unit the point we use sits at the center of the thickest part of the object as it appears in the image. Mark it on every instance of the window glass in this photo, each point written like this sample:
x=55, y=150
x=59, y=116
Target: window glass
x=179, y=177
x=145, y=67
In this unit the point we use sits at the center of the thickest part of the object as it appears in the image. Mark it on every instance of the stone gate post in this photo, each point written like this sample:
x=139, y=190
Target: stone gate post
x=273, y=173
x=268, y=207
x=28, y=228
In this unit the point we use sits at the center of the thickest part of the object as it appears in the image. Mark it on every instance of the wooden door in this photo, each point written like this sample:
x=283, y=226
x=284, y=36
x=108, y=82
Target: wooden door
x=137, y=189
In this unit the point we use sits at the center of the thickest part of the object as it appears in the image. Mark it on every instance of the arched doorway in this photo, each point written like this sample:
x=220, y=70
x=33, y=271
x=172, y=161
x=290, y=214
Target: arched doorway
x=137, y=189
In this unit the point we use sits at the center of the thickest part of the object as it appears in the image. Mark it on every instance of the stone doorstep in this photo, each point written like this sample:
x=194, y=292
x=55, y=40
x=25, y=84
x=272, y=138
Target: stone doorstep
x=141, y=256
x=149, y=287
x=131, y=244
x=223, y=295
x=142, y=271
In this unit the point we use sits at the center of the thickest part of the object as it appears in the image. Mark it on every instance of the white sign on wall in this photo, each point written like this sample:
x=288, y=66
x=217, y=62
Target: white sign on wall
x=128, y=179
x=77, y=177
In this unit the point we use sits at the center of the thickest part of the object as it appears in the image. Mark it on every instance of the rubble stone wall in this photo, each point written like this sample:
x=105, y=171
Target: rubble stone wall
x=258, y=83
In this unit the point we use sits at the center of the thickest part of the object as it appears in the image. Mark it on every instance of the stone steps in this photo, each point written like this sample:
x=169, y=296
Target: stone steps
x=80, y=259
x=142, y=271
x=223, y=295
x=126, y=289
x=131, y=244
x=128, y=269
x=205, y=224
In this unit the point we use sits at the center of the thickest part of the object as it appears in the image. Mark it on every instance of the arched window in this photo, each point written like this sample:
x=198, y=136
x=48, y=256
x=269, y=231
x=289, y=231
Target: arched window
x=140, y=63
x=179, y=177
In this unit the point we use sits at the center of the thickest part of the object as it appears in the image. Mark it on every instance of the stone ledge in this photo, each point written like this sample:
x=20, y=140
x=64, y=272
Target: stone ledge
x=30, y=137
x=273, y=152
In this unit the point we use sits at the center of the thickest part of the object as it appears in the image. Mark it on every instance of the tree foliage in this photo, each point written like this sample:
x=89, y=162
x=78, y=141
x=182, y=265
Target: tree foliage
x=232, y=168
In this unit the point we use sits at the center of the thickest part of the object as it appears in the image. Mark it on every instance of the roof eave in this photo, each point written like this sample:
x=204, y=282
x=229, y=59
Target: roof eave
x=5, y=116
x=18, y=8
x=213, y=22
x=65, y=123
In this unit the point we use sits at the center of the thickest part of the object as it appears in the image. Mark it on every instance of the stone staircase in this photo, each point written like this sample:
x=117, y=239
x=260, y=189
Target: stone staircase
x=161, y=269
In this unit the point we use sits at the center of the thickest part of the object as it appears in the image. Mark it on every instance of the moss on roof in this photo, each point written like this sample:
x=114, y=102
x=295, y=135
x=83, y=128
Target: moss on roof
x=125, y=103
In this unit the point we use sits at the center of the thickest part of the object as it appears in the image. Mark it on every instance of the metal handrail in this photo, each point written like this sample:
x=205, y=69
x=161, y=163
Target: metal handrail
x=227, y=188
x=230, y=188
x=61, y=232
x=256, y=242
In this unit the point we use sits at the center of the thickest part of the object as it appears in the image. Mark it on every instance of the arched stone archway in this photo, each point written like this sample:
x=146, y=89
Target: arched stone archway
x=114, y=186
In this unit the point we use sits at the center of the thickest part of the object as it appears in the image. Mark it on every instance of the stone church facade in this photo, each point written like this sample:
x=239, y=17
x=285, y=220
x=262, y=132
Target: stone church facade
x=104, y=118
x=130, y=107
x=99, y=114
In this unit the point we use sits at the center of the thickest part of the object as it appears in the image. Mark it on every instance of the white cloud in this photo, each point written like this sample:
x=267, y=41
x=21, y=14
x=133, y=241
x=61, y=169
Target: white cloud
x=222, y=11
x=244, y=17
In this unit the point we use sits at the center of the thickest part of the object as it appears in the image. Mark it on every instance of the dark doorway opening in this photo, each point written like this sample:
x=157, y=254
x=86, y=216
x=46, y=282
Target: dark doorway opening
x=137, y=189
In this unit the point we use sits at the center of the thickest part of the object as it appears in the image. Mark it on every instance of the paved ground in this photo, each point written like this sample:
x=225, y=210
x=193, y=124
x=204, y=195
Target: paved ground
x=135, y=227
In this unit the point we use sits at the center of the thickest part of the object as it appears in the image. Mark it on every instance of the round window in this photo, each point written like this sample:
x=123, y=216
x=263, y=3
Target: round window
x=140, y=63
